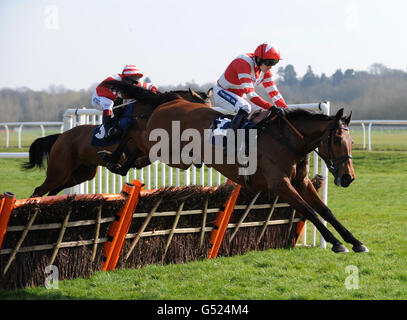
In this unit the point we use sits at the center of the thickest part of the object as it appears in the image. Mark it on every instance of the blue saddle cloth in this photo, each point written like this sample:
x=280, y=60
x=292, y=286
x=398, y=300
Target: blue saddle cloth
x=220, y=127
x=98, y=137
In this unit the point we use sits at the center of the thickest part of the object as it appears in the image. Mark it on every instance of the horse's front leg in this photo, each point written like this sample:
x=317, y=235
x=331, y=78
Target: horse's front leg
x=310, y=195
x=288, y=193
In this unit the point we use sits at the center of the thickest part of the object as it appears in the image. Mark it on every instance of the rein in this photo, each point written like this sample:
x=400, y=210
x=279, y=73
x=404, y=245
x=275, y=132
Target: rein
x=262, y=127
x=332, y=163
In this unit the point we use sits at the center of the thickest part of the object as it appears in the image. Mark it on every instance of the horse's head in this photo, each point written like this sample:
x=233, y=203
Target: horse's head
x=336, y=150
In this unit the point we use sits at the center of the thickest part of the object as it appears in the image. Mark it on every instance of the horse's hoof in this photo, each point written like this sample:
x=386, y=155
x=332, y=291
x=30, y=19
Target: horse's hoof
x=105, y=155
x=360, y=248
x=339, y=248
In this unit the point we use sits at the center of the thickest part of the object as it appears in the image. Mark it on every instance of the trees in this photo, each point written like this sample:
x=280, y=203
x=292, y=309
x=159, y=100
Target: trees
x=288, y=75
x=378, y=93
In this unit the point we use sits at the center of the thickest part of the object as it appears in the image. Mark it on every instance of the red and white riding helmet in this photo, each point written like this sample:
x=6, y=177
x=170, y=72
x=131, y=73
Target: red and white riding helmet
x=267, y=51
x=131, y=70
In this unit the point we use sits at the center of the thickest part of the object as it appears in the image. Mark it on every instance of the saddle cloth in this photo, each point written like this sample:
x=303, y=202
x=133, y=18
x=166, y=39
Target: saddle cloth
x=98, y=137
x=220, y=127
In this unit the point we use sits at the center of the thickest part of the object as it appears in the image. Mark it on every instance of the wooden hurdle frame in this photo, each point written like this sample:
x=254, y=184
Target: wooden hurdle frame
x=113, y=243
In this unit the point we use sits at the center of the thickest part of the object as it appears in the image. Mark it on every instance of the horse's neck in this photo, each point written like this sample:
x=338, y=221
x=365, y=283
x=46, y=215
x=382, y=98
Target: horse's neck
x=312, y=131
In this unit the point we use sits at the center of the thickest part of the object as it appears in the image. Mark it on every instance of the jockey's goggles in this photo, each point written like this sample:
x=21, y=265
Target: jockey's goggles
x=270, y=62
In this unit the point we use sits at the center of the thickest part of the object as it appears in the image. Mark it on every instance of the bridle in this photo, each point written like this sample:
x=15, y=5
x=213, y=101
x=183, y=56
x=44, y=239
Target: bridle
x=334, y=163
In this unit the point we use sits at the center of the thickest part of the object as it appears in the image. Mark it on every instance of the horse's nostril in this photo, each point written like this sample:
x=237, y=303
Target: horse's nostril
x=346, y=180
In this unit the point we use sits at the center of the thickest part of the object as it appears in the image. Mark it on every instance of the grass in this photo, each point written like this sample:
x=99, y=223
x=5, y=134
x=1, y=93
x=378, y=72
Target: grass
x=395, y=140
x=373, y=208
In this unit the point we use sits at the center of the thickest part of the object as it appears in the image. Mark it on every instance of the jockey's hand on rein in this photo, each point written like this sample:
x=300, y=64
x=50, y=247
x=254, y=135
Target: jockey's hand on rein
x=277, y=111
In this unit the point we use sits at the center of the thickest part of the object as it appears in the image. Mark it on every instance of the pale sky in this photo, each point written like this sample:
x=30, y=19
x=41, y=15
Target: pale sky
x=79, y=43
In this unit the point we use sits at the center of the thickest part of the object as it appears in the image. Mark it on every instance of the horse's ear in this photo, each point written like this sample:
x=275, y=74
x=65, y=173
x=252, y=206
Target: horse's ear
x=210, y=93
x=339, y=114
x=196, y=95
x=348, y=119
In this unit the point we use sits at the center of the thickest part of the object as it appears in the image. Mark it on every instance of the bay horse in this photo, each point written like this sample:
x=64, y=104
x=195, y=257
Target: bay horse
x=72, y=159
x=282, y=159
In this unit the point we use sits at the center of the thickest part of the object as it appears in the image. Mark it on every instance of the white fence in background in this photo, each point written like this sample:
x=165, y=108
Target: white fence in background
x=20, y=125
x=370, y=124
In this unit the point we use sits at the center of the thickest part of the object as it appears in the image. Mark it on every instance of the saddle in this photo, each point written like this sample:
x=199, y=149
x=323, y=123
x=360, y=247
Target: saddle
x=258, y=116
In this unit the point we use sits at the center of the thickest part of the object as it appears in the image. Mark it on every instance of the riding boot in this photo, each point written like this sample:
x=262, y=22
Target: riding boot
x=114, y=130
x=109, y=130
x=106, y=120
x=236, y=123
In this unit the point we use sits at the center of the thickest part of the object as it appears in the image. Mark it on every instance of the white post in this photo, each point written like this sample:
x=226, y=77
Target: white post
x=20, y=129
x=324, y=197
x=148, y=177
x=210, y=177
x=163, y=168
x=156, y=174
x=177, y=183
x=100, y=179
x=324, y=174
x=170, y=179
x=314, y=229
x=202, y=175
x=364, y=135
x=187, y=177
x=7, y=137
x=369, y=136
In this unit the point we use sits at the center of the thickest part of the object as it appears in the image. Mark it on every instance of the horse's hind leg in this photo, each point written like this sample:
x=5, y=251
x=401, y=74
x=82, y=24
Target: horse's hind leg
x=81, y=174
x=57, y=175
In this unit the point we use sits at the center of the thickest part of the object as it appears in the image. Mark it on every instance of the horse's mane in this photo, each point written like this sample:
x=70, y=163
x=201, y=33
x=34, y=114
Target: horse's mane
x=147, y=96
x=296, y=114
x=141, y=94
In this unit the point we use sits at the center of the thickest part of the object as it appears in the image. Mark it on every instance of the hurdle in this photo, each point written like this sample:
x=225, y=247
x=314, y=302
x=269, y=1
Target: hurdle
x=83, y=233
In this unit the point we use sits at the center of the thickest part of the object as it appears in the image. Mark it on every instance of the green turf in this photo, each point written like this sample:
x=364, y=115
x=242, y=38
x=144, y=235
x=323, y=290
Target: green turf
x=373, y=208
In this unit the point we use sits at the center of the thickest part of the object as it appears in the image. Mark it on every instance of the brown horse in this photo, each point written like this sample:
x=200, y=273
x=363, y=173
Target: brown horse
x=282, y=158
x=72, y=159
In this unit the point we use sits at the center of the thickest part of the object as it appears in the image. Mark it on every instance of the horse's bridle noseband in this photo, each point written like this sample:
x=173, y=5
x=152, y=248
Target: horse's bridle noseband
x=333, y=164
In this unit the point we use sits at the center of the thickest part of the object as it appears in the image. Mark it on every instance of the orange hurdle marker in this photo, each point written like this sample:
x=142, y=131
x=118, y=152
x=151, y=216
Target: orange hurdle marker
x=119, y=228
x=6, y=206
x=222, y=221
x=299, y=231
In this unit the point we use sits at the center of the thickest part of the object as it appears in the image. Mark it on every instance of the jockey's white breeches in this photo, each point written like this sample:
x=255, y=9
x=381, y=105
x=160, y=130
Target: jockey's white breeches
x=231, y=102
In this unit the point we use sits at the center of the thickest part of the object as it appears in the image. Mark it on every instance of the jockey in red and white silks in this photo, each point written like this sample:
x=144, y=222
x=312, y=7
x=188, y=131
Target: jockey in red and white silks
x=235, y=88
x=103, y=98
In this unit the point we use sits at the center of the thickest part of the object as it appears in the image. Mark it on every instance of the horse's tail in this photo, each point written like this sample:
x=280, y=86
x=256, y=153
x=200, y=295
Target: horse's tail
x=139, y=93
x=39, y=150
